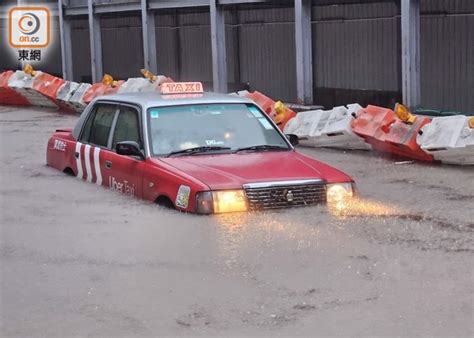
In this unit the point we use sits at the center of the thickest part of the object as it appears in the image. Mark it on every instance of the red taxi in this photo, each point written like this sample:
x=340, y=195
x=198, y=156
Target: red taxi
x=193, y=151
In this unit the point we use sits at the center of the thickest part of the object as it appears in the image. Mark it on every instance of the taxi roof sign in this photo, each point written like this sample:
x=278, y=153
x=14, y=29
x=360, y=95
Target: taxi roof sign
x=181, y=88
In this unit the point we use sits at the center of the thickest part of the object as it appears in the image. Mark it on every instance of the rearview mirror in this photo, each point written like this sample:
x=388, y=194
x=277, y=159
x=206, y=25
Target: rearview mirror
x=294, y=140
x=129, y=148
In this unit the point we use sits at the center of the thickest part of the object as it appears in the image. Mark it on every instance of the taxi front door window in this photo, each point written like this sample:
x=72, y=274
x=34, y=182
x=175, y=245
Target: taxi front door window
x=127, y=127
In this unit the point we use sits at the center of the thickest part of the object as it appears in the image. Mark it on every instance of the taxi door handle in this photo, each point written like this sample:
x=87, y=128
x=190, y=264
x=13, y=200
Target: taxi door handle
x=108, y=164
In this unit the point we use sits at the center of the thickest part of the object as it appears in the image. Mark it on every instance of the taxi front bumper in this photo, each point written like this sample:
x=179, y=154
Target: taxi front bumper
x=274, y=195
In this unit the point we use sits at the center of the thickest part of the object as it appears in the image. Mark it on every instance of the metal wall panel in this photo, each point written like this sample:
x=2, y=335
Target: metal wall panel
x=7, y=59
x=184, y=47
x=271, y=15
x=447, y=62
x=167, y=45
x=51, y=57
x=122, y=46
x=266, y=51
x=356, y=53
x=195, y=48
x=195, y=54
x=356, y=47
x=355, y=11
x=77, y=3
x=81, y=53
x=447, y=6
x=232, y=51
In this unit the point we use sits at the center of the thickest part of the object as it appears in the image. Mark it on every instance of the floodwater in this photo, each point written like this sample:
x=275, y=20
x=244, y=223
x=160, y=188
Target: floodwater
x=78, y=259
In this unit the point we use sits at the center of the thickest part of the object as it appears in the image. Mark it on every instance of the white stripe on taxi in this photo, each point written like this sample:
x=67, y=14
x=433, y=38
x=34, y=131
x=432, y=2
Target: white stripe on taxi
x=87, y=157
x=98, y=174
x=78, y=160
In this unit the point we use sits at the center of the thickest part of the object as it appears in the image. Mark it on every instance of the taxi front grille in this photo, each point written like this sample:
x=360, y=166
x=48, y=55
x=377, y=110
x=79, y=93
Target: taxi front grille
x=279, y=195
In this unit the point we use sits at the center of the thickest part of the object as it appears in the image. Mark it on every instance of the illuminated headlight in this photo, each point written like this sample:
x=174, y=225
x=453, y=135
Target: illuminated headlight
x=339, y=192
x=209, y=202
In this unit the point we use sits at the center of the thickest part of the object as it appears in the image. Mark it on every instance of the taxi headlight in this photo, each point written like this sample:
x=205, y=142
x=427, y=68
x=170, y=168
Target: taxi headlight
x=339, y=192
x=209, y=202
x=229, y=201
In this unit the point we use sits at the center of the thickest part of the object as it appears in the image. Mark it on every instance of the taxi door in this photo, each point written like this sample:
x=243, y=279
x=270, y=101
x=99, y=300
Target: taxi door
x=96, y=159
x=124, y=173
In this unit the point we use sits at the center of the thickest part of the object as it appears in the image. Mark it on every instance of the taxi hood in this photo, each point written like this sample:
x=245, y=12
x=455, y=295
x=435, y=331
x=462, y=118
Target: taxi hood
x=231, y=171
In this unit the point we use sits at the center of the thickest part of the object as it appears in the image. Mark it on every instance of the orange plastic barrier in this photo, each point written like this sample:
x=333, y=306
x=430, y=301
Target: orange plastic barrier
x=8, y=95
x=387, y=133
x=279, y=113
x=49, y=85
x=99, y=89
x=31, y=87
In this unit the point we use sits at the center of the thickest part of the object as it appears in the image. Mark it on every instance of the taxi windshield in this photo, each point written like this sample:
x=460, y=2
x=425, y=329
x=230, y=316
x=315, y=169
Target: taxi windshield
x=211, y=127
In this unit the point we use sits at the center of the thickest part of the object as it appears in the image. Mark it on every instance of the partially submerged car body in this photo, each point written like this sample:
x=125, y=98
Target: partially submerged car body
x=112, y=145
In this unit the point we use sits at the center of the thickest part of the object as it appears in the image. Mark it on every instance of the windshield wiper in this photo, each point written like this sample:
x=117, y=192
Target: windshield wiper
x=196, y=150
x=262, y=147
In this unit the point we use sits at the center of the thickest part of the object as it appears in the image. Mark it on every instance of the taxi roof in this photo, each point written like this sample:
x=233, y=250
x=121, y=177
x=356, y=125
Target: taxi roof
x=155, y=99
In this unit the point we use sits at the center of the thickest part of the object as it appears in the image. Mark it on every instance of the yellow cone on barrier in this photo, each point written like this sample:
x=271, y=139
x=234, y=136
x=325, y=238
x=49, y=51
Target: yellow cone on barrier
x=404, y=114
x=149, y=75
x=280, y=109
x=28, y=69
x=108, y=80
x=471, y=122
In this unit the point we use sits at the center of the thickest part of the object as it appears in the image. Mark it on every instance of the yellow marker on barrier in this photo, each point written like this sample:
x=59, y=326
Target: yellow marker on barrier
x=404, y=114
x=280, y=110
x=28, y=69
x=471, y=122
x=108, y=80
x=149, y=75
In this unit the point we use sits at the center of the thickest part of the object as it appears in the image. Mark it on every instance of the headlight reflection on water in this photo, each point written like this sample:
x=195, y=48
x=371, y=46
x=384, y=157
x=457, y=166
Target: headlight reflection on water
x=253, y=237
x=362, y=207
x=240, y=236
x=255, y=220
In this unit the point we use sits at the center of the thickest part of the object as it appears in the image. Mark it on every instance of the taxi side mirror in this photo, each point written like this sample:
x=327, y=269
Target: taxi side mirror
x=129, y=148
x=294, y=140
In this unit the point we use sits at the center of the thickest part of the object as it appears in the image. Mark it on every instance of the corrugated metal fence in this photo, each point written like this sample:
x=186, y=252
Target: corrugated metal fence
x=356, y=51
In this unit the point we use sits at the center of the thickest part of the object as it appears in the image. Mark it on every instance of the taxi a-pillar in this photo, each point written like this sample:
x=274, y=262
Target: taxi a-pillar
x=95, y=43
x=304, y=55
x=66, y=47
x=219, y=61
x=410, y=30
x=149, y=40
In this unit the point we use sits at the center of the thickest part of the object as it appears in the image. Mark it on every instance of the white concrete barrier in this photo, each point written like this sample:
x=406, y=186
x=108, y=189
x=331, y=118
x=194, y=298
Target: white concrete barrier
x=76, y=100
x=449, y=139
x=65, y=93
x=137, y=85
x=22, y=83
x=327, y=128
x=302, y=125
